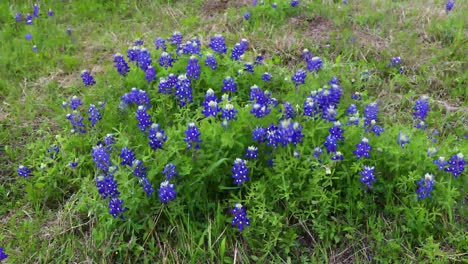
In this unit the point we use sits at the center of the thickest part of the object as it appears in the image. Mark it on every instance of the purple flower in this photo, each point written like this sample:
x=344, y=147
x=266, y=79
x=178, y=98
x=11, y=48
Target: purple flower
x=211, y=61
x=370, y=113
x=169, y=171
x=248, y=67
x=101, y=158
x=368, y=176
x=144, y=59
x=317, y=152
x=94, y=114
x=193, y=68
x=395, y=61
x=362, y=149
x=192, y=136
x=18, y=17
x=314, y=64
x=29, y=19
x=76, y=121
x=3, y=255
x=115, y=207
x=136, y=96
x=23, y=171
x=28, y=36
x=299, y=77
x=294, y=3
x=176, y=38
x=133, y=53
x=252, y=152
x=156, y=137
x=336, y=130
x=237, y=51
x=73, y=164
x=402, y=139
x=160, y=44
x=107, y=186
x=259, y=60
x=288, y=111
x=139, y=169
x=456, y=165
x=337, y=156
x=121, y=65
x=69, y=31
x=36, y=10
x=127, y=156
x=144, y=119
x=166, y=85
x=34, y=48
x=50, y=13
x=246, y=15
x=75, y=102
x=351, y=110
x=274, y=5
x=165, y=60
x=240, y=171
x=240, y=219
x=88, y=80
x=166, y=192
x=192, y=47
x=217, y=44
x=306, y=55
x=147, y=186
x=426, y=185
x=138, y=42
x=449, y=5
x=150, y=74
x=356, y=96
x=266, y=77
x=441, y=162
x=229, y=85
x=183, y=90
x=331, y=144
x=259, y=134
x=421, y=108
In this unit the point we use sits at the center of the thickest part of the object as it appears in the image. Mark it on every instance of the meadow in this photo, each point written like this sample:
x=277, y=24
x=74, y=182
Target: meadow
x=203, y=131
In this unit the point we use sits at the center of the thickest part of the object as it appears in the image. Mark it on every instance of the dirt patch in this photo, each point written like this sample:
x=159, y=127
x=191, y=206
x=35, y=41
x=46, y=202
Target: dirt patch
x=316, y=28
x=365, y=38
x=211, y=7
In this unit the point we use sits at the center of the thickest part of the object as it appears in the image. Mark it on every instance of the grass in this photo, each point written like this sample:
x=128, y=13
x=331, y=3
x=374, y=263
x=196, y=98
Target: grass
x=57, y=212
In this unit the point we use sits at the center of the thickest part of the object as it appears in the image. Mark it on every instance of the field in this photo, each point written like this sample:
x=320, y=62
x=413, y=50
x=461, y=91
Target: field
x=203, y=131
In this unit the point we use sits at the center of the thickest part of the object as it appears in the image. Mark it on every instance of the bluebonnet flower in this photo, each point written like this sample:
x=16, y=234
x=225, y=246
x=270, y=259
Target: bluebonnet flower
x=259, y=134
x=449, y=5
x=147, y=186
x=109, y=140
x=345, y=2
x=331, y=144
x=139, y=169
x=192, y=136
x=211, y=108
x=353, y=120
x=193, y=68
x=273, y=136
x=150, y=74
x=23, y=171
x=337, y=156
x=288, y=111
x=217, y=44
x=402, y=139
x=169, y=171
x=29, y=19
x=75, y=102
x=260, y=111
x=317, y=152
x=368, y=176
x=248, y=67
x=28, y=36
x=370, y=113
x=334, y=80
x=290, y=132
x=330, y=113
x=115, y=207
x=53, y=151
x=311, y=108
x=356, y=96
x=258, y=60
x=144, y=119
x=192, y=47
x=431, y=151
x=456, y=165
x=144, y=59
x=246, y=15
x=50, y=13
x=18, y=17
x=107, y=186
x=240, y=219
x=395, y=61
x=88, y=80
x=314, y=64
x=94, y=114
x=165, y=60
x=160, y=44
x=69, y=31
x=351, y=110
x=101, y=158
x=121, y=65
x=274, y=5
x=156, y=137
x=441, y=162
x=422, y=125
x=294, y=3
x=72, y=164
x=252, y=152
x=240, y=171
x=34, y=48
x=229, y=85
x=211, y=61
x=133, y=53
x=3, y=255
x=262, y=102
x=421, y=108
x=127, y=156
x=306, y=55
x=244, y=44
x=362, y=149
x=237, y=51
x=76, y=121
x=36, y=10
x=376, y=129
x=166, y=85
x=138, y=42
x=426, y=185
x=166, y=192
x=176, y=38
x=299, y=77
x=266, y=76
x=336, y=130
x=296, y=154
x=183, y=90
x=136, y=96
x=254, y=2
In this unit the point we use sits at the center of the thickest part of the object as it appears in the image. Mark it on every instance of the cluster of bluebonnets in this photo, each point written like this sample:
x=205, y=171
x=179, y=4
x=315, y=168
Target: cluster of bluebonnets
x=322, y=104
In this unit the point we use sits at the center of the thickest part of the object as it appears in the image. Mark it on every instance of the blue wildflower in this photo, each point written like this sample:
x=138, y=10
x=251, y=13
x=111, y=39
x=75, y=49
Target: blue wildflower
x=299, y=77
x=94, y=114
x=317, y=152
x=139, y=169
x=449, y=5
x=133, y=53
x=36, y=10
x=165, y=60
x=50, y=13
x=211, y=61
x=144, y=119
x=274, y=5
x=192, y=136
x=331, y=144
x=88, y=80
x=147, y=186
x=115, y=207
x=72, y=164
x=456, y=165
x=121, y=65
x=136, y=96
x=370, y=113
x=183, y=90
x=266, y=76
x=69, y=31
x=76, y=121
x=29, y=19
x=252, y=152
x=156, y=137
x=28, y=36
x=237, y=51
x=337, y=156
x=107, y=186
x=150, y=74
x=294, y=3
x=240, y=171
x=193, y=68
x=426, y=185
x=160, y=44
x=217, y=44
x=127, y=156
x=288, y=111
x=192, y=47
x=402, y=139
x=144, y=59
x=240, y=219
x=246, y=15
x=368, y=176
x=441, y=162
x=3, y=255
x=259, y=134
x=176, y=38
x=362, y=149
x=336, y=130
x=23, y=171
x=356, y=96
x=166, y=192
x=248, y=67
x=306, y=55
x=75, y=102
x=229, y=85
x=420, y=110
x=314, y=64
x=169, y=171
x=18, y=17
x=101, y=158
x=258, y=60
x=138, y=42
